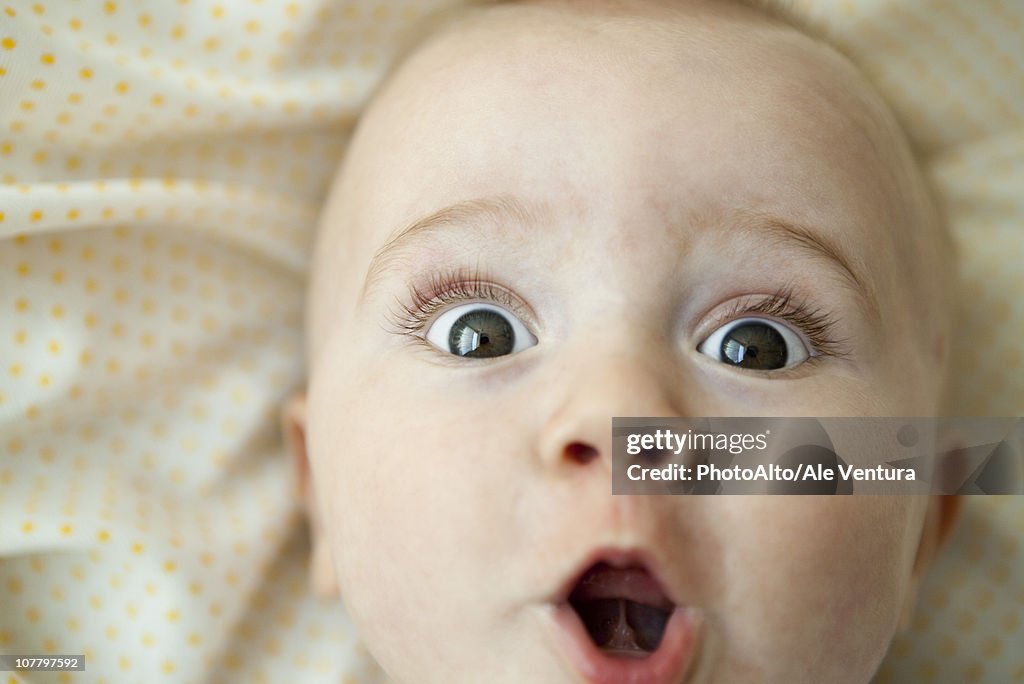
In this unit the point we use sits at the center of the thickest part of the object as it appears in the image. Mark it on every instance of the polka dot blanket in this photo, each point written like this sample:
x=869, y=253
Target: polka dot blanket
x=162, y=163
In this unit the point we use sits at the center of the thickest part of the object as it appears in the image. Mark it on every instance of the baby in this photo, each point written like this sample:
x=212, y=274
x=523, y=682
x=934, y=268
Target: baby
x=553, y=213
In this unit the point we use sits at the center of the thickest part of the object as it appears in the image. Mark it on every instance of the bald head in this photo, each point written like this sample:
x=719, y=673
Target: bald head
x=705, y=108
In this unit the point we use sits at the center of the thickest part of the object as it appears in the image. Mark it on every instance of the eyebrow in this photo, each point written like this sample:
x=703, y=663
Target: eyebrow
x=506, y=212
x=794, y=235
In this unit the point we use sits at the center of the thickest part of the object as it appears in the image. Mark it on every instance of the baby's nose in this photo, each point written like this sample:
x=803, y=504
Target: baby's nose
x=593, y=391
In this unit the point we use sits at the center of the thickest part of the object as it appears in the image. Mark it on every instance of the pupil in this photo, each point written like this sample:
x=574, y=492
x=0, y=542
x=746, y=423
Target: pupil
x=481, y=334
x=754, y=345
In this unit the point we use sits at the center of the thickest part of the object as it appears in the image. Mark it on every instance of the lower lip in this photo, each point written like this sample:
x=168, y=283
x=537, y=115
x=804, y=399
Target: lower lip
x=668, y=664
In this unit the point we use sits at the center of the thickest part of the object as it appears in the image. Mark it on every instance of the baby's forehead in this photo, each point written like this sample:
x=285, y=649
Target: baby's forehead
x=502, y=91
x=642, y=59
x=643, y=34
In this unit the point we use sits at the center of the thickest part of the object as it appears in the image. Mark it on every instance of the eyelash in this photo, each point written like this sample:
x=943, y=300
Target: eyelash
x=456, y=286
x=817, y=325
x=445, y=288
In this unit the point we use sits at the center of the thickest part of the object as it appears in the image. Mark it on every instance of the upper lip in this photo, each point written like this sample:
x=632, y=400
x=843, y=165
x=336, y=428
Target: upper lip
x=615, y=557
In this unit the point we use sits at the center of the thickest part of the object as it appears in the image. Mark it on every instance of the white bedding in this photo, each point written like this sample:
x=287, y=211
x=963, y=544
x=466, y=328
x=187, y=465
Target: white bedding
x=162, y=163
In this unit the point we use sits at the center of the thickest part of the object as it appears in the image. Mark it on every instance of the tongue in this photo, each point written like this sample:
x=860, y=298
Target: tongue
x=624, y=609
x=633, y=584
x=623, y=627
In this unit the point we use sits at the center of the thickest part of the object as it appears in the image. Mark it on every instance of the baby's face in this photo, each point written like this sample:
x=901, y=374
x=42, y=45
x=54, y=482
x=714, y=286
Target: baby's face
x=553, y=216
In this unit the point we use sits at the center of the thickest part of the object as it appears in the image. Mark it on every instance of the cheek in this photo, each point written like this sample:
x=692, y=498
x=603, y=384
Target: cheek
x=805, y=571
x=413, y=508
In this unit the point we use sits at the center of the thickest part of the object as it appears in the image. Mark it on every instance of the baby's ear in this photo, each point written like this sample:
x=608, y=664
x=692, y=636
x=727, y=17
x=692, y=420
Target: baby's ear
x=939, y=520
x=321, y=566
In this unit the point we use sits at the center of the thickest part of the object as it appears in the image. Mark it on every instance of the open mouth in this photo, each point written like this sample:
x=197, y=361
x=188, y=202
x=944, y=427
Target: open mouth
x=618, y=623
x=624, y=610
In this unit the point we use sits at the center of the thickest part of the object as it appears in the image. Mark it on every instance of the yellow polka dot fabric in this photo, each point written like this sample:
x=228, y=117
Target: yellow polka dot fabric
x=162, y=163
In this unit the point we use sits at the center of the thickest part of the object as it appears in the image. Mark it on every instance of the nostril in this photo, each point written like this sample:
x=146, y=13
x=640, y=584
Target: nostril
x=580, y=453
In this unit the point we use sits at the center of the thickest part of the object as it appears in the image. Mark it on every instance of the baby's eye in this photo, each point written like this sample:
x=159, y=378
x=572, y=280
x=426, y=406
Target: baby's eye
x=756, y=343
x=479, y=331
